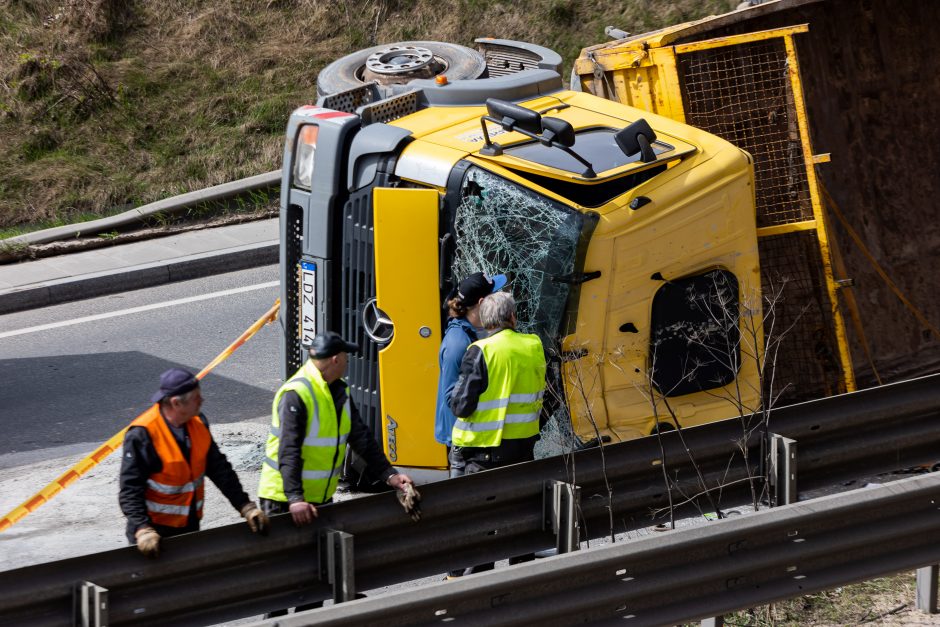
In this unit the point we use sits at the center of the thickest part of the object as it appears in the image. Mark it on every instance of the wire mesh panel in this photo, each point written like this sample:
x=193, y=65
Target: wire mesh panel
x=801, y=346
x=742, y=94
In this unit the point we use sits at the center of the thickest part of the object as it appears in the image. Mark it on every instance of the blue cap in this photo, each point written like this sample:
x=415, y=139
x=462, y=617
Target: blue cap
x=175, y=382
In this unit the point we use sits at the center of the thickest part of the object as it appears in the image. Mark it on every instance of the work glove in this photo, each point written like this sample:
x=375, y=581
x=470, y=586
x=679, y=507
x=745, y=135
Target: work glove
x=410, y=499
x=148, y=541
x=257, y=520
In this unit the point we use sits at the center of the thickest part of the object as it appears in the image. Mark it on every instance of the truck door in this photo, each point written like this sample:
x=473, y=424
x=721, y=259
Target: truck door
x=669, y=266
x=407, y=301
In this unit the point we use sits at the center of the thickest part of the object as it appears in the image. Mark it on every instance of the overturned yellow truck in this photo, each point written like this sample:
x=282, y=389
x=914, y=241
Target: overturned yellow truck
x=662, y=222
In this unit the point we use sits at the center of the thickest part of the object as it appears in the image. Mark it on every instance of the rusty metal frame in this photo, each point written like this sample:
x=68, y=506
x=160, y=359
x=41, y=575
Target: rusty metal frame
x=818, y=224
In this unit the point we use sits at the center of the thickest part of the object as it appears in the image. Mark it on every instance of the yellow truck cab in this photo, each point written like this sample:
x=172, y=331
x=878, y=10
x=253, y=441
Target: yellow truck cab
x=629, y=238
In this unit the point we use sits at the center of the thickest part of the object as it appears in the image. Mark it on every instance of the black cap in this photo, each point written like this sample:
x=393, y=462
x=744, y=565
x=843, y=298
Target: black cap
x=328, y=343
x=175, y=382
x=473, y=288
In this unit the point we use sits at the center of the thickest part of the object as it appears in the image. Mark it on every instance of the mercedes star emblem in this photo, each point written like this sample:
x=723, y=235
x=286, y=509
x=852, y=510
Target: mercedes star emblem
x=376, y=323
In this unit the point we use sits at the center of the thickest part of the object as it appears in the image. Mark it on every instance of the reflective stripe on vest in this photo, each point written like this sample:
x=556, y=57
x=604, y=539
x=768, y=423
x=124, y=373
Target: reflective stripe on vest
x=170, y=493
x=324, y=446
x=509, y=406
x=174, y=489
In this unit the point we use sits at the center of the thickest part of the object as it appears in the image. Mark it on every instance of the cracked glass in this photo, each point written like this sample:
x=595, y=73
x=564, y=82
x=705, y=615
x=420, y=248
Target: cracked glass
x=502, y=227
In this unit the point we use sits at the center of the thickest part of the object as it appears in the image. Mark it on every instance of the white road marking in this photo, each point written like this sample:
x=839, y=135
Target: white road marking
x=133, y=310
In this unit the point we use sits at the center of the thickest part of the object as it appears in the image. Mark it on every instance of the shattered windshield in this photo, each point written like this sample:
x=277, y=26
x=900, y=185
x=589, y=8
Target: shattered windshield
x=501, y=227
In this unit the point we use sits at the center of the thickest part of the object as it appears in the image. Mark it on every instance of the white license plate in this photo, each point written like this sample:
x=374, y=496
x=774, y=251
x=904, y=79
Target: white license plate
x=308, y=302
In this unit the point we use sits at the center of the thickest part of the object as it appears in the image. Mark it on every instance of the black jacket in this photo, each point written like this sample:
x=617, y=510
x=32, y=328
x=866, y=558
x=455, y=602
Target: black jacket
x=139, y=460
x=292, y=414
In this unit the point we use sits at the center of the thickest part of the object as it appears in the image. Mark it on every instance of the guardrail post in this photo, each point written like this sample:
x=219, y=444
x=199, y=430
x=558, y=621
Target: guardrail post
x=782, y=469
x=90, y=604
x=559, y=513
x=336, y=564
x=927, y=589
x=714, y=621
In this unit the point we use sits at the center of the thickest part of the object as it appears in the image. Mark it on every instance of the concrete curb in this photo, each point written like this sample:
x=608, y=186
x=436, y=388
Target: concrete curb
x=139, y=276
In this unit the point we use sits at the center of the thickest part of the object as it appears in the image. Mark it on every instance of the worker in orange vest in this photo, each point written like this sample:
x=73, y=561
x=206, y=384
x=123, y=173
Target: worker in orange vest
x=168, y=452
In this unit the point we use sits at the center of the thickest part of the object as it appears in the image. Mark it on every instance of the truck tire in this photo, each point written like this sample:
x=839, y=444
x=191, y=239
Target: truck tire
x=345, y=73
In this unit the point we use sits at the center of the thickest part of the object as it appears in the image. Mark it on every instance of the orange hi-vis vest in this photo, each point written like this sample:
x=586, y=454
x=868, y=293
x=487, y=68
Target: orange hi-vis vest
x=171, y=491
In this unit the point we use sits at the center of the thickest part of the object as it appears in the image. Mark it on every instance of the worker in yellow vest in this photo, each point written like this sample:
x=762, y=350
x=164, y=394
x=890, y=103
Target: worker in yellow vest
x=313, y=420
x=497, y=398
x=498, y=395
x=168, y=452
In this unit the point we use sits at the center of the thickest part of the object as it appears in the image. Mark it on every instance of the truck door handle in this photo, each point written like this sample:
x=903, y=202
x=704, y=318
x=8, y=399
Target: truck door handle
x=639, y=201
x=440, y=262
x=628, y=327
x=577, y=277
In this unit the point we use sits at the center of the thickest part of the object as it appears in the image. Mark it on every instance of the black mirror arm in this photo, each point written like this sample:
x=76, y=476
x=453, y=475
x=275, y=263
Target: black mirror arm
x=588, y=167
x=489, y=148
x=647, y=154
x=492, y=149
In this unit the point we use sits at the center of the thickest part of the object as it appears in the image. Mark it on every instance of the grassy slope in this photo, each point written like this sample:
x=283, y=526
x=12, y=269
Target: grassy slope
x=109, y=103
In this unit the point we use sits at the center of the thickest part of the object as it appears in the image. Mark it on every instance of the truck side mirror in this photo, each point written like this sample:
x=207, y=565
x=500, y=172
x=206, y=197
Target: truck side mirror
x=637, y=138
x=557, y=131
x=512, y=116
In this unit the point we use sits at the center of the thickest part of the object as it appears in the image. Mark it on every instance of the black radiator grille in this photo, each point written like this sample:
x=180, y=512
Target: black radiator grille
x=358, y=286
x=293, y=353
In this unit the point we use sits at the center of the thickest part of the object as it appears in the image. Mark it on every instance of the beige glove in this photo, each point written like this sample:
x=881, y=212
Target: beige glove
x=148, y=541
x=257, y=520
x=410, y=499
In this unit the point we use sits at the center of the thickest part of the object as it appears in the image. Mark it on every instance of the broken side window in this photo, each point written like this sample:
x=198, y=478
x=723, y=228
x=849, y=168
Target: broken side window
x=695, y=335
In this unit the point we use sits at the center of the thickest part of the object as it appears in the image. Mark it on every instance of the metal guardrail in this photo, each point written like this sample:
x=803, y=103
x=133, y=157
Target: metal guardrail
x=682, y=576
x=227, y=572
x=170, y=206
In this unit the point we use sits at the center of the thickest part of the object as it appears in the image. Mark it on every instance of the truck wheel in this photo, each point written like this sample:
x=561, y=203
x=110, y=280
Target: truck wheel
x=399, y=63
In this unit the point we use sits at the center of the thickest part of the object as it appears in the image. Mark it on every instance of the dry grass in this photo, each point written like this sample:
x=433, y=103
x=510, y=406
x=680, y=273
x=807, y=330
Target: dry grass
x=109, y=103
x=883, y=601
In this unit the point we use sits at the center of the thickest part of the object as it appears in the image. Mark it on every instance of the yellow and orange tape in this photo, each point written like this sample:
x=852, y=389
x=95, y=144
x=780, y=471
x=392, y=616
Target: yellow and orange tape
x=76, y=472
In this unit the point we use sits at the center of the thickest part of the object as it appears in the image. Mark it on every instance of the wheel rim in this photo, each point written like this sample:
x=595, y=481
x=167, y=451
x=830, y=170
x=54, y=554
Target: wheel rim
x=399, y=59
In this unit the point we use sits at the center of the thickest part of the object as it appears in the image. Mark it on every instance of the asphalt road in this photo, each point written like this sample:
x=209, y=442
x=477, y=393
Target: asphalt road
x=65, y=379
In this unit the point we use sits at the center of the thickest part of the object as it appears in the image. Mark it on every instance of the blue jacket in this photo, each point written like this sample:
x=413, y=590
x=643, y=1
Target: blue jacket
x=457, y=337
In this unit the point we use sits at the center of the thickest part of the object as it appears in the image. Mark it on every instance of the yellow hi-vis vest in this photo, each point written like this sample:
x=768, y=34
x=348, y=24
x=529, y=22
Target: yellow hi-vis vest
x=324, y=446
x=509, y=406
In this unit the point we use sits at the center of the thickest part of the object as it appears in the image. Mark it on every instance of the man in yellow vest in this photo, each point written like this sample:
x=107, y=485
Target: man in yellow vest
x=312, y=422
x=497, y=398
x=168, y=452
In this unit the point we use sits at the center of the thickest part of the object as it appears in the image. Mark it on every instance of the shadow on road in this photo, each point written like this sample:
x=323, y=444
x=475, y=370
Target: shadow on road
x=53, y=401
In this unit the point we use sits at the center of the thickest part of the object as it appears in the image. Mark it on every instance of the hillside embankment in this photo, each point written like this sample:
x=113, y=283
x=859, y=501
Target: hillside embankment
x=110, y=104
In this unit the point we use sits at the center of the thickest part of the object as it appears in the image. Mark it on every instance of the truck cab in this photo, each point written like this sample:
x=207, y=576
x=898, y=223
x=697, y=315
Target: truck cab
x=629, y=239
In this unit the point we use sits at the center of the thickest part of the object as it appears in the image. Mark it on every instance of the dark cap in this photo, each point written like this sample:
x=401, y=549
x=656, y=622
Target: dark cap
x=471, y=290
x=328, y=343
x=175, y=382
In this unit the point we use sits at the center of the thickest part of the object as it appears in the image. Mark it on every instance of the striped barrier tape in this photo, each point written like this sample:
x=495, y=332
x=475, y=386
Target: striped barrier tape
x=76, y=472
